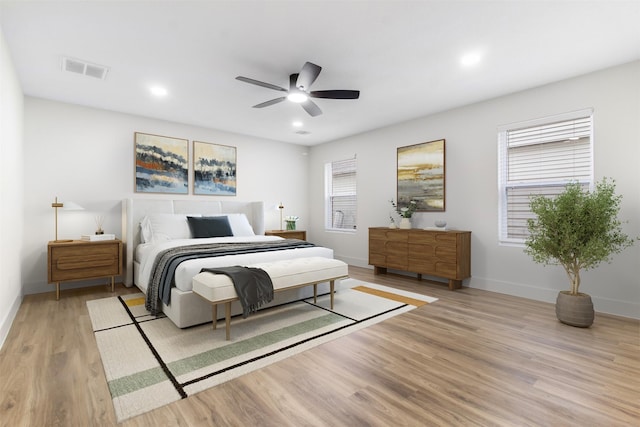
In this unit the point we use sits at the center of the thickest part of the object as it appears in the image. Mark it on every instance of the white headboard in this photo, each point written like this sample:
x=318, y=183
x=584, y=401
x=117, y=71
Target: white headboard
x=133, y=210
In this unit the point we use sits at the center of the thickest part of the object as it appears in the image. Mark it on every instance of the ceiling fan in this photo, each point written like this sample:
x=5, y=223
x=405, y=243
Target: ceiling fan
x=298, y=91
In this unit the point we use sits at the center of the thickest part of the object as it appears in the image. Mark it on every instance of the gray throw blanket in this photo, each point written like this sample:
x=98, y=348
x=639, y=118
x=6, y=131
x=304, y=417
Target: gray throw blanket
x=253, y=286
x=167, y=261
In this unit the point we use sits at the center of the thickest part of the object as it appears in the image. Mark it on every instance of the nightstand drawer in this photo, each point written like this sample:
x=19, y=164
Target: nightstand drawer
x=84, y=267
x=84, y=260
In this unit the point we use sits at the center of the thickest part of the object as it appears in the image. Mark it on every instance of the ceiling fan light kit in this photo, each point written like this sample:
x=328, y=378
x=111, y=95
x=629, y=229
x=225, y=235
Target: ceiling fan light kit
x=297, y=97
x=298, y=91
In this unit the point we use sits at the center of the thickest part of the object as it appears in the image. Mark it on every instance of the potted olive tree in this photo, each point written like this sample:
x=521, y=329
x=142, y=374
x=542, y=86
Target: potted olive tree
x=578, y=230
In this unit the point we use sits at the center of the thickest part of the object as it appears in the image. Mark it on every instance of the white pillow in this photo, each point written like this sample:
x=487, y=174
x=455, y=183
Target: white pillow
x=165, y=226
x=240, y=225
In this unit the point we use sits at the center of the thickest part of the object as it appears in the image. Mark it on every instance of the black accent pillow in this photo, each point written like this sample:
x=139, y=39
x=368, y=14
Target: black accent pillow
x=209, y=226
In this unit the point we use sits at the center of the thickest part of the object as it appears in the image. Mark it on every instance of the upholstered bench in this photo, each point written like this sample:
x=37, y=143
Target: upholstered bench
x=285, y=274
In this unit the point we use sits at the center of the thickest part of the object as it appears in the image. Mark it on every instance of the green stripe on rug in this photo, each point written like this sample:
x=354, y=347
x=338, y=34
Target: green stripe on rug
x=153, y=376
x=189, y=364
x=137, y=381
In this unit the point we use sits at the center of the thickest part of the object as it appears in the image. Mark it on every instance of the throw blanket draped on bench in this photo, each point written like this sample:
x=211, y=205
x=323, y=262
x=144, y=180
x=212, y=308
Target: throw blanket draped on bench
x=253, y=286
x=165, y=264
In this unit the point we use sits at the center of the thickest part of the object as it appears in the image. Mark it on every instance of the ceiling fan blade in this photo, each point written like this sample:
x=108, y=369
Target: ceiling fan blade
x=308, y=75
x=267, y=103
x=311, y=108
x=259, y=83
x=335, y=94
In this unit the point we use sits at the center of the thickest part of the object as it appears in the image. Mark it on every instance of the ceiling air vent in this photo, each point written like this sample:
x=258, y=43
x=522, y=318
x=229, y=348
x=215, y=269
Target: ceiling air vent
x=82, y=67
x=302, y=132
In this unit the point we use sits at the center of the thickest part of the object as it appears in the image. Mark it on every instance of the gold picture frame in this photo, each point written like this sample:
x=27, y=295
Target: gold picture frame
x=421, y=176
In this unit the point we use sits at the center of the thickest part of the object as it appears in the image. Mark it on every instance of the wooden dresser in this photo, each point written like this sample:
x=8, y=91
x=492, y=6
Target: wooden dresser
x=439, y=253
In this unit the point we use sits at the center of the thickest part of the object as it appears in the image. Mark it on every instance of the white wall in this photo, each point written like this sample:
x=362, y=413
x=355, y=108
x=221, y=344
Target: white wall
x=471, y=183
x=86, y=156
x=11, y=194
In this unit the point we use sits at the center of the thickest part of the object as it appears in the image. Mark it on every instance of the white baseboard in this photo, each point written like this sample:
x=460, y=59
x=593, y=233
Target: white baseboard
x=600, y=304
x=5, y=326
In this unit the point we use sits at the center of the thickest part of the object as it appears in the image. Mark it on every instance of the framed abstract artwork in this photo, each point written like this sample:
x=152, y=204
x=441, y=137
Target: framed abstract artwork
x=421, y=175
x=214, y=169
x=162, y=164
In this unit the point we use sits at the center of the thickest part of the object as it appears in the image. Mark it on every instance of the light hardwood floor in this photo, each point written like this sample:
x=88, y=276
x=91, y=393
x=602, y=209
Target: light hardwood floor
x=473, y=358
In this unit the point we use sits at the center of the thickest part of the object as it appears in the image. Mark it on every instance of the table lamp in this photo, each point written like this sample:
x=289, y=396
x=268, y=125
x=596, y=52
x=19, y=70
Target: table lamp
x=69, y=206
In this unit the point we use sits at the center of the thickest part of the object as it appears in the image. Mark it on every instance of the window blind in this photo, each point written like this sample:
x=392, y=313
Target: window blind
x=341, y=195
x=540, y=158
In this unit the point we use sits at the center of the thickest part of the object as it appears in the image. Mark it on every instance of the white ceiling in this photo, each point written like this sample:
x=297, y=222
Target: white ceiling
x=402, y=55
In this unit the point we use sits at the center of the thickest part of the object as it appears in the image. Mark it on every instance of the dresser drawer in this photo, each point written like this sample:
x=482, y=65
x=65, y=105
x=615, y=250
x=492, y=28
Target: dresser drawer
x=432, y=238
x=388, y=234
x=434, y=267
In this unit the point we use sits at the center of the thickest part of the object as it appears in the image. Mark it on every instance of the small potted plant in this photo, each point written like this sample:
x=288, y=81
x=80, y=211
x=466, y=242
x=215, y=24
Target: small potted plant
x=578, y=230
x=405, y=212
x=290, y=221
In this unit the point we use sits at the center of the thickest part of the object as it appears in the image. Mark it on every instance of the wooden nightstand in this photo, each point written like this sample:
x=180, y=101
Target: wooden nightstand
x=79, y=260
x=288, y=234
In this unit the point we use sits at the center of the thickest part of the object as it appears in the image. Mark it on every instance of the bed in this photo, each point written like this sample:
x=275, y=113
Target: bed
x=151, y=226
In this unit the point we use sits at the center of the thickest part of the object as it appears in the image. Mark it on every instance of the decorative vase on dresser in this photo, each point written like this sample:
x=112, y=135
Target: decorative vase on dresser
x=439, y=253
x=405, y=223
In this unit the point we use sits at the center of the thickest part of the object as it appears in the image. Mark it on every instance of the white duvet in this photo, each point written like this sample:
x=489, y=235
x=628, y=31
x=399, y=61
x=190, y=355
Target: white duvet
x=146, y=253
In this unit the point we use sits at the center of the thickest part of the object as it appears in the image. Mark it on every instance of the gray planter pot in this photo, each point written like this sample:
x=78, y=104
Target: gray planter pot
x=575, y=310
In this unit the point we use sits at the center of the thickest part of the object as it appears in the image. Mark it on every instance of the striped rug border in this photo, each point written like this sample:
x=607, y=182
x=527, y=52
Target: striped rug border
x=389, y=295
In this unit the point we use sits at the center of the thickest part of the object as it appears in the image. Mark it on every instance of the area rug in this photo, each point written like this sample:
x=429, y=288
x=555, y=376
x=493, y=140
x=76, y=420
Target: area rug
x=149, y=362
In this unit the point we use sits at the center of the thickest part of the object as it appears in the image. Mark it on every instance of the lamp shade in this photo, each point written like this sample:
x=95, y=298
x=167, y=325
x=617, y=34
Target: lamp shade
x=67, y=206
x=71, y=206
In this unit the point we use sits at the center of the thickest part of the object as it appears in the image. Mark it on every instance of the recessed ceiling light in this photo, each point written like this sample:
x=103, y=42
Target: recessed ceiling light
x=470, y=59
x=296, y=124
x=158, y=91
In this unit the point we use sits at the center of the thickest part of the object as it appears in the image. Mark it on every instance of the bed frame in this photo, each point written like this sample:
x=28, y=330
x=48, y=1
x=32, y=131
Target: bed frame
x=133, y=210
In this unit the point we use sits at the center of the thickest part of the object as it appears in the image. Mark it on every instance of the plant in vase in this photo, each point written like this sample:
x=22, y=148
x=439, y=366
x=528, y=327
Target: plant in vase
x=405, y=212
x=578, y=230
x=290, y=222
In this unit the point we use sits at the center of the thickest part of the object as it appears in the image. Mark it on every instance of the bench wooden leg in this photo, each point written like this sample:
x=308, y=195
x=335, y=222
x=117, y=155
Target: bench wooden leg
x=227, y=319
x=331, y=288
x=315, y=293
x=215, y=315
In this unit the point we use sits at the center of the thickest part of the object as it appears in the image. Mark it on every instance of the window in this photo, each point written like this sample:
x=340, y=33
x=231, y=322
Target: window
x=340, y=195
x=540, y=157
